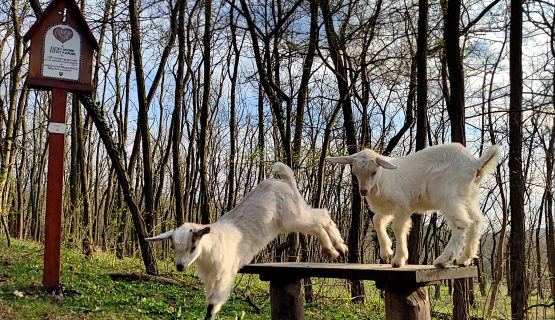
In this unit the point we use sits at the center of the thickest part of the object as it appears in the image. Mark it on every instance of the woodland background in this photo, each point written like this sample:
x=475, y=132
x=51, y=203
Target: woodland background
x=194, y=100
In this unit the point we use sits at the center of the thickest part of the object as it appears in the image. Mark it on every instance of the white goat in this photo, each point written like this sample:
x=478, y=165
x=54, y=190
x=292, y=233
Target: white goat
x=443, y=177
x=220, y=249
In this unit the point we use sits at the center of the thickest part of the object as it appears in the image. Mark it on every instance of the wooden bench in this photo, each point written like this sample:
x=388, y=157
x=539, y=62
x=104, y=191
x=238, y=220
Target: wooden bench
x=405, y=295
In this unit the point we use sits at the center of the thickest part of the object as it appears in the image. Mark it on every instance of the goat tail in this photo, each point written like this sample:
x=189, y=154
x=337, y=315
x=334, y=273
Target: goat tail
x=285, y=173
x=487, y=161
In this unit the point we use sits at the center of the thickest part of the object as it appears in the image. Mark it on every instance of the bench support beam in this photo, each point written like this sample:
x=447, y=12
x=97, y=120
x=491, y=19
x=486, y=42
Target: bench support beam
x=286, y=299
x=406, y=303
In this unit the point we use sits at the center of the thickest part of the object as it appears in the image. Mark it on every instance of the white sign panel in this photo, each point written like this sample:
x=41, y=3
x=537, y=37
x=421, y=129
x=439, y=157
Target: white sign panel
x=62, y=53
x=56, y=127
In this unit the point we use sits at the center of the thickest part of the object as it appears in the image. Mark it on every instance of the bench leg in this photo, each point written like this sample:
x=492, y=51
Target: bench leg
x=406, y=303
x=286, y=299
x=461, y=304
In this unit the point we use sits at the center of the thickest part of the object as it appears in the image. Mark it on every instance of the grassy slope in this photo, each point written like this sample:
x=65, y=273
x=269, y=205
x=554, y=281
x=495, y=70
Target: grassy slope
x=89, y=293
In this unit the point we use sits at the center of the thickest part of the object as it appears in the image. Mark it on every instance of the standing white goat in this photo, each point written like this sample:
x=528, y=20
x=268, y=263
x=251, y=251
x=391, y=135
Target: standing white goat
x=220, y=249
x=443, y=177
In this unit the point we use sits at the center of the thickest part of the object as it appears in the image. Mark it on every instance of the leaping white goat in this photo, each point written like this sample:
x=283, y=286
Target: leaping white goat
x=443, y=177
x=220, y=249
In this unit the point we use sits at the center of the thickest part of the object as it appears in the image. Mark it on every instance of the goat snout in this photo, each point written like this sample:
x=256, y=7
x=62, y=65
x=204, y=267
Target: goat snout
x=364, y=192
x=180, y=267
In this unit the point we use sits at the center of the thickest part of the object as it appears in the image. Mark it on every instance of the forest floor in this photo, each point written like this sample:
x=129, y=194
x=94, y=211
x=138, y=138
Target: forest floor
x=89, y=292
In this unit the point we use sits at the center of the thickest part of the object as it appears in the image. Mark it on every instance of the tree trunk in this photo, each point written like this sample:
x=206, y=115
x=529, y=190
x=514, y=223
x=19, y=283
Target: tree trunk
x=79, y=148
x=415, y=236
x=550, y=239
x=303, y=87
x=232, y=113
x=499, y=261
x=265, y=65
x=113, y=152
x=516, y=184
x=456, y=113
x=549, y=221
x=355, y=237
x=455, y=70
x=142, y=121
x=261, y=143
x=87, y=240
x=203, y=138
x=176, y=117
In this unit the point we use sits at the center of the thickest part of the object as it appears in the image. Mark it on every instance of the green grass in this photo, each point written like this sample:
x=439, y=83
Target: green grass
x=90, y=293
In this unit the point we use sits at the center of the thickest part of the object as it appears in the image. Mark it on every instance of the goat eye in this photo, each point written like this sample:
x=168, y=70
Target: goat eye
x=193, y=248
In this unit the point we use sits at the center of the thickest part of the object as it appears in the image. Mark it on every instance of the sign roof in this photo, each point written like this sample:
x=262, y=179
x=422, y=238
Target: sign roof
x=76, y=14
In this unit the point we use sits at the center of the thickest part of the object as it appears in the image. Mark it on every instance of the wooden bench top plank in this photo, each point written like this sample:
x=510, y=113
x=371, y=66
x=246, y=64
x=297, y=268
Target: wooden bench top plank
x=409, y=274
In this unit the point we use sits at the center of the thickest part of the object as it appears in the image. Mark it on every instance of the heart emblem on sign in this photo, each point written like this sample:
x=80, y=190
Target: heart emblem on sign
x=62, y=34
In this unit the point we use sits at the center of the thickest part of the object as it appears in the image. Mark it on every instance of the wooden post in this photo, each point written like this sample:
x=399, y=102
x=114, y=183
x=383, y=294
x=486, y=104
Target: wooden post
x=53, y=220
x=286, y=299
x=461, y=305
x=405, y=302
x=60, y=59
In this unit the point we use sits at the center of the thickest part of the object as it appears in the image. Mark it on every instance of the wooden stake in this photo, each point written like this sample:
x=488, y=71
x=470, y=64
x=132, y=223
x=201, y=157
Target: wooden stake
x=53, y=221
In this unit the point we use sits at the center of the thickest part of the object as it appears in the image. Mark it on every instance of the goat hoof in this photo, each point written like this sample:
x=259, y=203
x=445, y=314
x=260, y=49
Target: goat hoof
x=397, y=263
x=464, y=263
x=386, y=253
x=385, y=257
x=331, y=253
x=440, y=263
x=342, y=249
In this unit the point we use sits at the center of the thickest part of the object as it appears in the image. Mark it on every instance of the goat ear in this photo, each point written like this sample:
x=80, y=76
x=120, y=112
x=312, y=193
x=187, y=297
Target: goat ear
x=341, y=160
x=385, y=164
x=162, y=236
x=199, y=232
